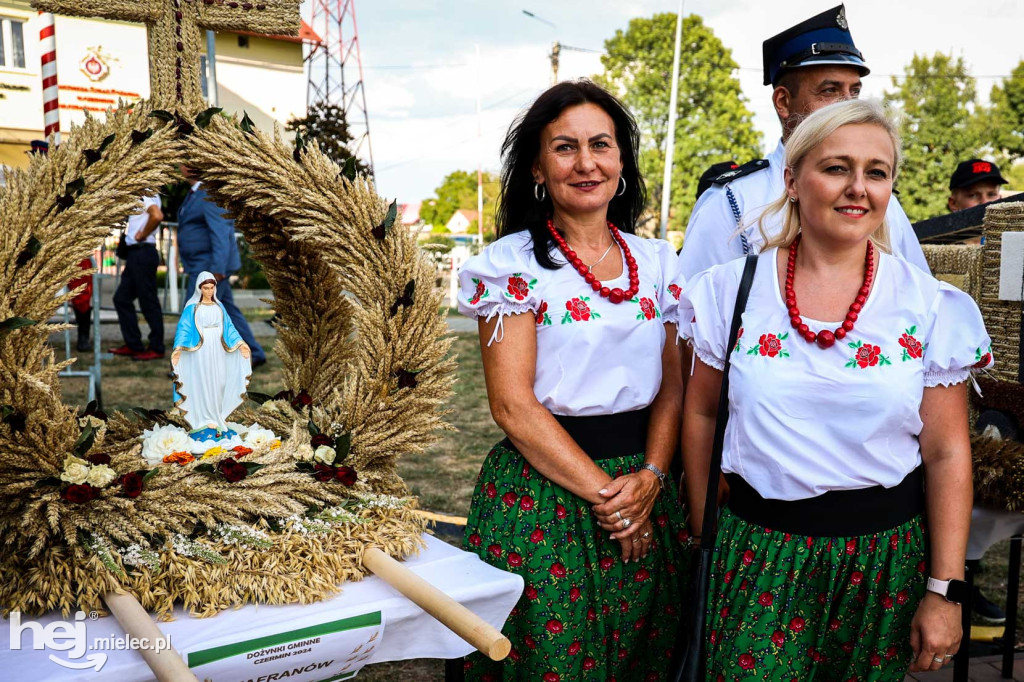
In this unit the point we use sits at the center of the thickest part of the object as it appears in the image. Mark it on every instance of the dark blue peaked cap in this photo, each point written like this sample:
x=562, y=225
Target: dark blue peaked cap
x=822, y=39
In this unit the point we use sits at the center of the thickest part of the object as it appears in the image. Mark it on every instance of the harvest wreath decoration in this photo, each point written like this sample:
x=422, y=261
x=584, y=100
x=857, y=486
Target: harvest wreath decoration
x=282, y=518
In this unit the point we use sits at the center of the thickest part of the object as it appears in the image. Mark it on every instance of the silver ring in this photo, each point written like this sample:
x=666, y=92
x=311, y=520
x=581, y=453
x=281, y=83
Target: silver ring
x=949, y=656
x=619, y=514
x=938, y=659
x=626, y=523
x=647, y=534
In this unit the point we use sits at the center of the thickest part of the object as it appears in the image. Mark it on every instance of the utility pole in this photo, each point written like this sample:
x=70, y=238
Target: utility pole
x=670, y=142
x=556, y=50
x=479, y=157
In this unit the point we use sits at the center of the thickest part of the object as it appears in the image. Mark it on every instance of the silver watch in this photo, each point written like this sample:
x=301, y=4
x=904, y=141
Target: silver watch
x=662, y=478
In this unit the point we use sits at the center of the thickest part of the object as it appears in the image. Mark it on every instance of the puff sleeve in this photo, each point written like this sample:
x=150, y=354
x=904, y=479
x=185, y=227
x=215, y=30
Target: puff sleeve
x=668, y=296
x=499, y=281
x=701, y=319
x=956, y=342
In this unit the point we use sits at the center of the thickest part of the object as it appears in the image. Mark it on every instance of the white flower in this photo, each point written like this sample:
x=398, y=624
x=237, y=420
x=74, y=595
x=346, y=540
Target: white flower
x=100, y=476
x=240, y=429
x=304, y=452
x=75, y=473
x=161, y=441
x=71, y=459
x=258, y=437
x=326, y=454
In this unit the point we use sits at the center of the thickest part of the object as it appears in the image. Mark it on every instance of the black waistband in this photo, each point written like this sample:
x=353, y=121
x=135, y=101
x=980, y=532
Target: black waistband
x=839, y=513
x=610, y=435
x=139, y=245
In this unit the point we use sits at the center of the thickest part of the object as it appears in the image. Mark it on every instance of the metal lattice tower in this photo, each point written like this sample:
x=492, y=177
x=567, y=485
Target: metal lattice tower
x=336, y=69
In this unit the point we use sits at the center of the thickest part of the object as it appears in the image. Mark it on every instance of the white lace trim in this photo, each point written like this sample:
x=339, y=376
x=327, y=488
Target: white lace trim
x=946, y=377
x=503, y=310
x=708, y=358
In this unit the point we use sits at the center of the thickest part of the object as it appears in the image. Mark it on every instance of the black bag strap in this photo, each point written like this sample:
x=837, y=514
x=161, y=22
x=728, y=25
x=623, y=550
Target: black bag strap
x=707, y=539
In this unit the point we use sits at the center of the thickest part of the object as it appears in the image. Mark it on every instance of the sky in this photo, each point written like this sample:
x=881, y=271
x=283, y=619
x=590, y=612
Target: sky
x=421, y=77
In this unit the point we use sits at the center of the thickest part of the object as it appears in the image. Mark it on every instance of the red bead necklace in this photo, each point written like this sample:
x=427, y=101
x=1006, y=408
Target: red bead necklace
x=614, y=295
x=825, y=338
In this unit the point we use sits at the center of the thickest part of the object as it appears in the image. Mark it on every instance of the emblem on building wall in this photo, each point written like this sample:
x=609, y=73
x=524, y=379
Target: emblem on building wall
x=95, y=64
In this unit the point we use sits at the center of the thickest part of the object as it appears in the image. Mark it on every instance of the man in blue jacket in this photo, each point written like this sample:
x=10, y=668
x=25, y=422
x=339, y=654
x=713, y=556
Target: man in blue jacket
x=206, y=241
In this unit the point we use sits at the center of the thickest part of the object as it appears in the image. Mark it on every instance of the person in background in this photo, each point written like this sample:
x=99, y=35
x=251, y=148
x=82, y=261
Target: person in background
x=583, y=377
x=843, y=437
x=138, y=280
x=808, y=66
x=714, y=171
x=206, y=242
x=973, y=183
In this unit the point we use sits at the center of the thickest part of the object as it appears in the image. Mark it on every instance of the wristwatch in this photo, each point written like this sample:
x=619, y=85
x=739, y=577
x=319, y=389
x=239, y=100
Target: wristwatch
x=955, y=591
x=662, y=478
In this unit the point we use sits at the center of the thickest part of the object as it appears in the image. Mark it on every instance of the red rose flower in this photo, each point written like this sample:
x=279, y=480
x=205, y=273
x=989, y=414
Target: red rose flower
x=321, y=439
x=770, y=345
x=615, y=635
x=530, y=641
x=661, y=520
x=518, y=288
x=876, y=660
x=526, y=470
x=509, y=498
x=834, y=624
x=743, y=584
x=847, y=647
x=867, y=355
x=640, y=623
x=79, y=493
x=323, y=472
x=513, y=654
x=557, y=570
x=480, y=289
x=746, y=661
x=543, y=308
x=526, y=503
x=727, y=578
x=648, y=309
x=675, y=290
x=622, y=654
x=591, y=614
x=579, y=309
x=475, y=540
x=99, y=458
x=641, y=575
x=553, y=626
x=902, y=597
x=537, y=535
x=922, y=567
x=894, y=541
x=983, y=362
x=713, y=637
x=531, y=592
x=232, y=471
x=778, y=638
x=748, y=557
x=606, y=563
x=724, y=613
x=851, y=546
x=574, y=594
x=560, y=511
x=765, y=599
x=347, y=475
x=490, y=490
x=797, y=624
x=303, y=399
x=891, y=653
x=856, y=578
x=589, y=663
x=886, y=602
x=912, y=345
x=131, y=484
x=495, y=551
x=514, y=559
x=623, y=604
x=575, y=648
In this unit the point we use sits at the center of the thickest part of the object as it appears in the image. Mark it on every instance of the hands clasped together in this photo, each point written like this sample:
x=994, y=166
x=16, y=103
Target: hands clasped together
x=626, y=511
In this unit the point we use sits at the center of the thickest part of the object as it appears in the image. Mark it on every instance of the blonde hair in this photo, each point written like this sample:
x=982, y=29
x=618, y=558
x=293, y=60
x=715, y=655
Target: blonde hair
x=811, y=132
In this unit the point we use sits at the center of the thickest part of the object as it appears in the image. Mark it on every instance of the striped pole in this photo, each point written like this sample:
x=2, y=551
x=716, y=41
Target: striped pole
x=51, y=113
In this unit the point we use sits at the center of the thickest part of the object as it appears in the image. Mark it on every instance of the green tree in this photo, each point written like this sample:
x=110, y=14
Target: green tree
x=936, y=99
x=1006, y=115
x=326, y=124
x=713, y=122
x=458, y=190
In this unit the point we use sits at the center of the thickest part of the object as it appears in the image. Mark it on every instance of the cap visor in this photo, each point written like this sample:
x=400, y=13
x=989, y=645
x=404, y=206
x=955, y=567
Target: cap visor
x=836, y=59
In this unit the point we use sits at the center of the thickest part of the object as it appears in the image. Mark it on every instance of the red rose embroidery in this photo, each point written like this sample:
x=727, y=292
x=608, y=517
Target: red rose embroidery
x=514, y=559
x=578, y=309
x=983, y=359
x=480, y=292
x=746, y=661
x=553, y=626
x=557, y=570
x=517, y=287
x=769, y=345
x=675, y=290
x=912, y=348
x=866, y=355
x=542, y=314
x=647, y=309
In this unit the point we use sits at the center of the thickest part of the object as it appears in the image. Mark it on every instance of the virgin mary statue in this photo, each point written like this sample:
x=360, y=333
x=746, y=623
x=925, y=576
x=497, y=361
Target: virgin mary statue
x=211, y=363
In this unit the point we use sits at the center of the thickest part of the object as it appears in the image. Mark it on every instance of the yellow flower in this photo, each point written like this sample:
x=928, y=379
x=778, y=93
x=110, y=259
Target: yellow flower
x=213, y=452
x=275, y=445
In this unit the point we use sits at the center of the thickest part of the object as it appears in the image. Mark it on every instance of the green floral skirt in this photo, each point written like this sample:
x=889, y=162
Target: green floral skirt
x=793, y=607
x=584, y=614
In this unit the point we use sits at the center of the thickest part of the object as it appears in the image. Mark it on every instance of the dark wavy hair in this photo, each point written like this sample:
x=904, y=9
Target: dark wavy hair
x=518, y=208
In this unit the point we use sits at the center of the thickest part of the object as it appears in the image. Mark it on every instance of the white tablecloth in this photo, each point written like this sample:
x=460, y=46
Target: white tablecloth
x=409, y=632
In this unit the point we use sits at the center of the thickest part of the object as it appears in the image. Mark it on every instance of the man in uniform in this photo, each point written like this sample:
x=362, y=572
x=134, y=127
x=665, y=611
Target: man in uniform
x=974, y=182
x=810, y=65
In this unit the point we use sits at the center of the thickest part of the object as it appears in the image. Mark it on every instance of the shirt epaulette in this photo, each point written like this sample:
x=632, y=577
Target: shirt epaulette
x=746, y=169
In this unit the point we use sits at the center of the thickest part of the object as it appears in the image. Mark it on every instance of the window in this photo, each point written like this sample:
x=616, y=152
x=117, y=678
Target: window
x=12, y=43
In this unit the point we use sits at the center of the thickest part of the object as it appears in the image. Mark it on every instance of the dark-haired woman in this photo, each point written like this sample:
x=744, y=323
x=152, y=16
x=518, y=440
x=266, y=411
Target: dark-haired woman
x=580, y=377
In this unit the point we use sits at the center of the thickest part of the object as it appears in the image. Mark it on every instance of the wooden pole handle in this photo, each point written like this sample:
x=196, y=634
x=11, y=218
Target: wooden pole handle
x=456, y=617
x=167, y=664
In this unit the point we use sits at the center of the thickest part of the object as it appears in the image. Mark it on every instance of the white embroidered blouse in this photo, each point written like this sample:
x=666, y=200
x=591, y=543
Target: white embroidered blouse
x=803, y=420
x=594, y=357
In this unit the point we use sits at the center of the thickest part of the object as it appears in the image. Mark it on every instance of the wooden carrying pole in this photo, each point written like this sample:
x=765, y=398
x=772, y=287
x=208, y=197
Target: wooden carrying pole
x=167, y=664
x=451, y=613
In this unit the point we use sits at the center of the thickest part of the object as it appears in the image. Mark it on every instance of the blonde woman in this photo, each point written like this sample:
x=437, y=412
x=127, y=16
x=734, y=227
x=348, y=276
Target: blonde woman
x=847, y=428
